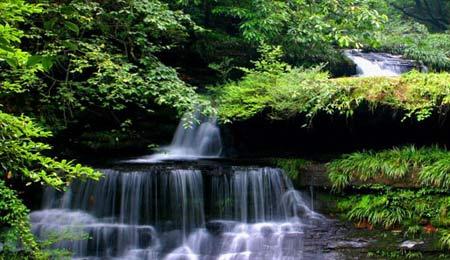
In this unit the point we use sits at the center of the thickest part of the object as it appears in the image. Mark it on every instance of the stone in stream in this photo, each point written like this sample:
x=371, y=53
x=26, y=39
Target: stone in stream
x=411, y=244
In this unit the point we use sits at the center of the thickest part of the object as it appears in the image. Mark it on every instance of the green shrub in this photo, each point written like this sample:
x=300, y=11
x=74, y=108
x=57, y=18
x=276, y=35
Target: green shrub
x=431, y=49
x=445, y=239
x=14, y=217
x=414, y=212
x=283, y=92
x=428, y=167
x=378, y=210
x=21, y=159
x=291, y=166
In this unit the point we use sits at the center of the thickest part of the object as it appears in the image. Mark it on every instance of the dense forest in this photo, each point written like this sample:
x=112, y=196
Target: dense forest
x=82, y=78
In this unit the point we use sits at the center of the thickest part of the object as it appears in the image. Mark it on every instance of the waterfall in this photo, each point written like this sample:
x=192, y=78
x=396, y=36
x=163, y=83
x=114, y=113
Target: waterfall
x=200, y=139
x=379, y=64
x=168, y=212
x=254, y=194
x=119, y=210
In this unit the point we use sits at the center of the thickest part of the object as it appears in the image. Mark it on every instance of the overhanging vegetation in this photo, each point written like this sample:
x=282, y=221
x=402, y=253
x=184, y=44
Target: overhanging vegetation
x=287, y=92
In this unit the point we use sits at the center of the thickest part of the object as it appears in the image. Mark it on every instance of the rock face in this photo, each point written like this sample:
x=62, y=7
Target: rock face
x=313, y=175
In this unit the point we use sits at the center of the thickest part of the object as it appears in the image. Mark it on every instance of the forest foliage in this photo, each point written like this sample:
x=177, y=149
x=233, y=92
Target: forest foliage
x=282, y=91
x=73, y=68
x=100, y=59
x=401, y=188
x=421, y=167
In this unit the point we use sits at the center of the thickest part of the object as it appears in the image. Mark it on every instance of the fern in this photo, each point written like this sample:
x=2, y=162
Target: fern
x=432, y=166
x=445, y=239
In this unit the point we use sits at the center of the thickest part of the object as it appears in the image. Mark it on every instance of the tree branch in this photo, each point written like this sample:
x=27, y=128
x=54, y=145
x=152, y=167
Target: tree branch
x=434, y=22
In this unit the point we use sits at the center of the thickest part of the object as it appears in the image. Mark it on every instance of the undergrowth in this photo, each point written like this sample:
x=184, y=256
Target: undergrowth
x=415, y=213
x=400, y=208
x=432, y=49
x=425, y=167
x=282, y=91
x=405, y=189
x=291, y=166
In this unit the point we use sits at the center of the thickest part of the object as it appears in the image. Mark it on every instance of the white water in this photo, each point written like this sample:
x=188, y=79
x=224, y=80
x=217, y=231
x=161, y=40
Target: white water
x=378, y=64
x=199, y=140
x=159, y=213
x=140, y=211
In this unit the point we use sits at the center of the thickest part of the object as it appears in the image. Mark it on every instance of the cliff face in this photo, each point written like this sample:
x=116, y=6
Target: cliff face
x=332, y=134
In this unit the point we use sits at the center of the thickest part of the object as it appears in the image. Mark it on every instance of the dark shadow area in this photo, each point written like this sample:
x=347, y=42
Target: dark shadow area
x=330, y=135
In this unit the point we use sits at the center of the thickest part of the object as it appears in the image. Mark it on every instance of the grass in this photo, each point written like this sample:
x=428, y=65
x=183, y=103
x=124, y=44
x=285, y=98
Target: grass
x=445, y=239
x=415, y=213
x=426, y=167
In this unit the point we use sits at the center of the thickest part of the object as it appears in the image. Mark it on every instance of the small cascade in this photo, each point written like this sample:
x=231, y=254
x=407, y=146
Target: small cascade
x=120, y=210
x=109, y=238
x=257, y=194
x=261, y=216
x=199, y=140
x=166, y=212
x=379, y=64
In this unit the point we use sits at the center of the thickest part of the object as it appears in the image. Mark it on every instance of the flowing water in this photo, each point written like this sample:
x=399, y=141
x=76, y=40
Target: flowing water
x=179, y=212
x=198, y=140
x=143, y=210
x=146, y=208
x=379, y=64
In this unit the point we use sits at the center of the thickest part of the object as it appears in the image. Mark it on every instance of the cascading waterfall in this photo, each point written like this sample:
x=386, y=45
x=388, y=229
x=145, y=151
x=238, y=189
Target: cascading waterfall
x=199, y=140
x=261, y=216
x=379, y=64
x=253, y=194
x=168, y=212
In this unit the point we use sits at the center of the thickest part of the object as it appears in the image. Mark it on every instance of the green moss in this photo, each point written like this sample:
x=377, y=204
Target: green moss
x=289, y=91
x=291, y=166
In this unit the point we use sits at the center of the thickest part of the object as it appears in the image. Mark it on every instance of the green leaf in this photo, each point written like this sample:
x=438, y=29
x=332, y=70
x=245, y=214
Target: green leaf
x=71, y=26
x=47, y=62
x=33, y=60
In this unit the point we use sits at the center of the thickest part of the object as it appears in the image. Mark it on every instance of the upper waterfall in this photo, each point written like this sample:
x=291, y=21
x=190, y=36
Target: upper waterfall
x=200, y=139
x=379, y=64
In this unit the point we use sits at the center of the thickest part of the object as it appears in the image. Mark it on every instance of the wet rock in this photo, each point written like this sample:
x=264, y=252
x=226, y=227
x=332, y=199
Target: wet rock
x=314, y=175
x=218, y=227
x=344, y=244
x=170, y=240
x=411, y=244
x=266, y=231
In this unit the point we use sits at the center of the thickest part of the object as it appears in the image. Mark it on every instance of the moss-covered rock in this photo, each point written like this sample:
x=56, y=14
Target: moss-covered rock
x=310, y=92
